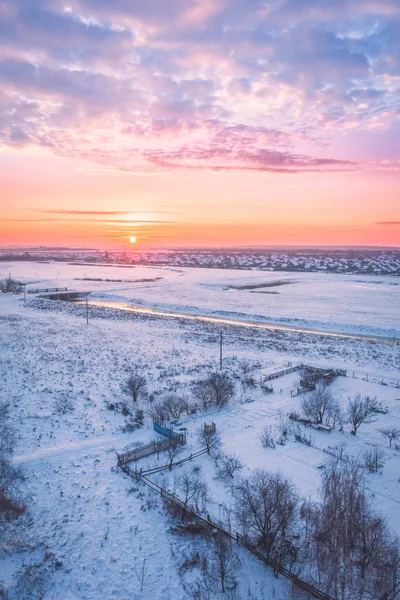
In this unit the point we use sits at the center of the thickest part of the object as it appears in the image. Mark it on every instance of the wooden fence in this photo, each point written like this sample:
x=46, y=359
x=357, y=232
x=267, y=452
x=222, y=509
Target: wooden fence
x=142, y=473
x=321, y=370
x=388, y=380
x=45, y=290
x=281, y=373
x=154, y=447
x=188, y=511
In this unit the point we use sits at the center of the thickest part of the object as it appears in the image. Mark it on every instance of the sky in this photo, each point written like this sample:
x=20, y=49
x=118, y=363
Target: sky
x=199, y=123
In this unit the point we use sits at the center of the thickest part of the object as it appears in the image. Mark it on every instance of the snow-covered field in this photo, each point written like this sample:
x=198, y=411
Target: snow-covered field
x=90, y=530
x=344, y=303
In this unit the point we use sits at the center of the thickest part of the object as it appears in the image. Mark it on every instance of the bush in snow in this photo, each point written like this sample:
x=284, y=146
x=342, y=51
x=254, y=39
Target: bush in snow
x=266, y=438
x=63, y=404
x=373, y=459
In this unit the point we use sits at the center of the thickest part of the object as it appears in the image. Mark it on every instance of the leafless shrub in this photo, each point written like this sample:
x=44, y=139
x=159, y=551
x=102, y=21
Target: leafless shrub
x=63, y=404
x=249, y=382
x=141, y=572
x=373, y=459
x=193, y=561
x=285, y=427
x=31, y=582
x=267, y=438
x=134, y=422
x=361, y=410
x=301, y=436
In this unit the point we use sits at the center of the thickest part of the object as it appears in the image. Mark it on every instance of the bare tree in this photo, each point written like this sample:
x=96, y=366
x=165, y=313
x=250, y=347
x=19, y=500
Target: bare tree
x=224, y=562
x=135, y=386
x=193, y=488
x=374, y=459
x=210, y=440
x=392, y=573
x=7, y=433
x=158, y=412
x=203, y=393
x=361, y=410
x=217, y=390
x=11, y=503
x=265, y=506
x=175, y=405
x=227, y=465
x=320, y=404
x=222, y=386
x=172, y=452
x=392, y=434
x=350, y=543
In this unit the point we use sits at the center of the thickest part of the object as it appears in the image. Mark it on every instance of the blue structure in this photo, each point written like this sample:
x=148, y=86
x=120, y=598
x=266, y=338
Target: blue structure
x=166, y=431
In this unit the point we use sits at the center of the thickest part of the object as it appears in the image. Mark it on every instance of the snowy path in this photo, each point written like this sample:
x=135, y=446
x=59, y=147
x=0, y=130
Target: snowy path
x=69, y=450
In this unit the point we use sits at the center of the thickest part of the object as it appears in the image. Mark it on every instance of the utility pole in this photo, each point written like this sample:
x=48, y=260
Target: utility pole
x=87, y=312
x=24, y=293
x=220, y=351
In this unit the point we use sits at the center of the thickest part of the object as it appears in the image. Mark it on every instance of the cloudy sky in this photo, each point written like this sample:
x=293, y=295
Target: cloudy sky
x=199, y=122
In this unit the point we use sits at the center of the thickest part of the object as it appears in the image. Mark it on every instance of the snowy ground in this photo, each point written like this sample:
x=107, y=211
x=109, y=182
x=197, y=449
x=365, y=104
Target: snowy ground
x=100, y=525
x=348, y=303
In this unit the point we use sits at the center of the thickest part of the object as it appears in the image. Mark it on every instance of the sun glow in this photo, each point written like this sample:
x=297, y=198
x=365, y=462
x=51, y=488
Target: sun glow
x=132, y=239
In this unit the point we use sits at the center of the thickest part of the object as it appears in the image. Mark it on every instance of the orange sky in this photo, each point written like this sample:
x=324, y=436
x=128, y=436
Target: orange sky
x=59, y=202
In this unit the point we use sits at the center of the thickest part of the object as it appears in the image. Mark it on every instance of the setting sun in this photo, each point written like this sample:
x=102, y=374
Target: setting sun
x=132, y=239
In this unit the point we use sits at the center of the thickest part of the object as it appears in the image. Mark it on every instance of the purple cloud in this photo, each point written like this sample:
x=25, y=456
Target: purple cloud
x=218, y=84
